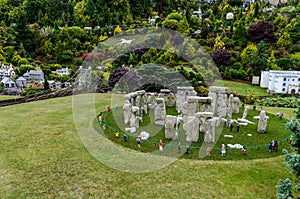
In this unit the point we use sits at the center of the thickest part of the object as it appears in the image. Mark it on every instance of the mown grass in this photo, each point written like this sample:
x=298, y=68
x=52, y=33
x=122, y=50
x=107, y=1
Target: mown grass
x=240, y=88
x=42, y=156
x=6, y=97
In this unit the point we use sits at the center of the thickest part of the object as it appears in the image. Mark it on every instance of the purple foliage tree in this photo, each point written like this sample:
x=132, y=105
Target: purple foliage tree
x=221, y=57
x=263, y=30
x=126, y=80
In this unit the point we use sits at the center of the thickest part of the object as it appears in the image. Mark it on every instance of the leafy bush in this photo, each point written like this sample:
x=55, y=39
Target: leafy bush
x=170, y=24
x=127, y=83
x=263, y=30
x=227, y=75
x=24, y=68
x=221, y=57
x=248, y=54
x=287, y=102
x=284, y=63
x=174, y=16
x=77, y=61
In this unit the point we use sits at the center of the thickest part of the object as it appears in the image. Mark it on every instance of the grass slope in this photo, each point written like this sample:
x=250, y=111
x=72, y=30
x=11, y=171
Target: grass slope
x=41, y=156
x=241, y=88
x=6, y=97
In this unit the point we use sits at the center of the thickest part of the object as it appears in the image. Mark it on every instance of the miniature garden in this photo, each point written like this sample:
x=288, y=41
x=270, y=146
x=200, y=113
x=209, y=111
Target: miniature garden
x=247, y=135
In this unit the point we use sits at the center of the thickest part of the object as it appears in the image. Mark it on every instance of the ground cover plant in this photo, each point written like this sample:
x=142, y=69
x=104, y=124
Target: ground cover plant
x=41, y=156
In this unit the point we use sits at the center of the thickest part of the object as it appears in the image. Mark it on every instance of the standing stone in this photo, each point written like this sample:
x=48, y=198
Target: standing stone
x=192, y=129
x=219, y=100
x=171, y=100
x=188, y=109
x=236, y=105
x=246, y=112
x=204, y=116
x=152, y=101
x=127, y=111
x=160, y=111
x=182, y=93
x=209, y=136
x=262, y=123
x=171, y=127
x=229, y=111
x=134, y=117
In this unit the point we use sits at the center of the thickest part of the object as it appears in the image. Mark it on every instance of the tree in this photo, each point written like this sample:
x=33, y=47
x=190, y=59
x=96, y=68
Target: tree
x=221, y=57
x=219, y=44
x=90, y=8
x=240, y=34
x=170, y=24
x=248, y=54
x=284, y=41
x=260, y=62
x=263, y=30
x=183, y=26
x=46, y=85
x=272, y=64
x=294, y=32
x=285, y=188
x=175, y=16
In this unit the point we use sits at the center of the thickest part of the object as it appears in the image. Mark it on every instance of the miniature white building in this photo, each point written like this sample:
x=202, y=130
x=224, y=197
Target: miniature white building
x=21, y=82
x=280, y=81
x=7, y=71
x=62, y=71
x=34, y=75
x=54, y=85
x=8, y=83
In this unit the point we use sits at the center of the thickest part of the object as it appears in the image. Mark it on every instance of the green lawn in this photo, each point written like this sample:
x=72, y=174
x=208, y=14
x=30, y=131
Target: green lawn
x=240, y=88
x=6, y=97
x=42, y=156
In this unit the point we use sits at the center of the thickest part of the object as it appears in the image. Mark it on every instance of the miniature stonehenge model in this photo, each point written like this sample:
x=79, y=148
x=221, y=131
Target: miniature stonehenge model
x=197, y=114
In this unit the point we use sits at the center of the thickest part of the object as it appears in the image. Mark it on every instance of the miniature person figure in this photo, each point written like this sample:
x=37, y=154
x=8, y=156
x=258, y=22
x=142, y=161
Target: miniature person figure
x=238, y=127
x=270, y=147
x=160, y=145
x=275, y=146
x=179, y=147
x=125, y=137
x=208, y=150
x=280, y=117
x=290, y=140
x=187, y=149
x=293, y=120
x=138, y=141
x=244, y=150
x=223, y=150
x=100, y=119
x=117, y=134
x=116, y=107
x=107, y=109
x=254, y=107
x=243, y=105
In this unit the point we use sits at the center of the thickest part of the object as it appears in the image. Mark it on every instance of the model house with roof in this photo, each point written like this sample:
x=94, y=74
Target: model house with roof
x=21, y=82
x=54, y=85
x=34, y=75
x=8, y=83
x=63, y=71
x=7, y=71
x=275, y=81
